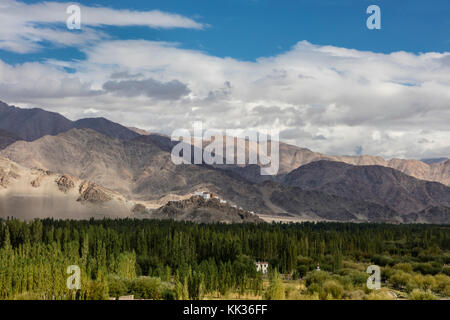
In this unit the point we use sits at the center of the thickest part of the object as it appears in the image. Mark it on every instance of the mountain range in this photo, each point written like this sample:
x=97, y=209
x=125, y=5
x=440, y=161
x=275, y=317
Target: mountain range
x=376, y=184
x=134, y=169
x=7, y=138
x=35, y=123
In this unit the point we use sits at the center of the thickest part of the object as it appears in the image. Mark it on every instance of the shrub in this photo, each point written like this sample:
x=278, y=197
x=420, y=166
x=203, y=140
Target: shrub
x=406, y=267
x=418, y=280
x=147, y=288
x=301, y=271
x=358, y=278
x=318, y=277
x=333, y=289
x=428, y=282
x=117, y=286
x=426, y=268
x=354, y=295
x=169, y=294
x=442, y=284
x=418, y=294
x=382, y=260
x=401, y=280
x=345, y=281
x=387, y=272
x=446, y=270
x=382, y=294
x=346, y=264
x=304, y=264
x=314, y=289
x=97, y=290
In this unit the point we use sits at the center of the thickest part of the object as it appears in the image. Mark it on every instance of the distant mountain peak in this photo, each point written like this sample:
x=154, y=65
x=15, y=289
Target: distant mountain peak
x=434, y=160
x=32, y=124
x=378, y=184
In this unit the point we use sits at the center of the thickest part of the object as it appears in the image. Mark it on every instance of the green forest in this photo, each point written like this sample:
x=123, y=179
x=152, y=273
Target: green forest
x=169, y=260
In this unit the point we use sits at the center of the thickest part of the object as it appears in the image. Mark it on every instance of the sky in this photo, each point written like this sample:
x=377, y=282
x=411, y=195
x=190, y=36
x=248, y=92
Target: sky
x=308, y=68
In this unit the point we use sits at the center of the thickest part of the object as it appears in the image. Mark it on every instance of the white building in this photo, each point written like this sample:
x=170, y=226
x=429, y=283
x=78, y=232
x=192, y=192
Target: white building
x=262, y=267
x=204, y=195
x=208, y=195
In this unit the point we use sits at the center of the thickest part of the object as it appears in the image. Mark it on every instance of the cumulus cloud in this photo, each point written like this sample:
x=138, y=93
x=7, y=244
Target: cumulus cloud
x=36, y=80
x=24, y=27
x=125, y=75
x=325, y=98
x=172, y=90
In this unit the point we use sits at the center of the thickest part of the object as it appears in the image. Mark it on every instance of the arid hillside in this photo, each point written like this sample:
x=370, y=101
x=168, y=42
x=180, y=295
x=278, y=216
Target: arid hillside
x=35, y=193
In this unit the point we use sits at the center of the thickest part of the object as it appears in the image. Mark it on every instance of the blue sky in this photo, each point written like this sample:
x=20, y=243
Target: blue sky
x=249, y=29
x=310, y=69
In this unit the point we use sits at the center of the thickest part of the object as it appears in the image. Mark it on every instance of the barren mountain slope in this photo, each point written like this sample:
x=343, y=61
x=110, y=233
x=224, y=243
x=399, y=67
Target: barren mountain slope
x=291, y=157
x=435, y=215
x=7, y=138
x=318, y=206
x=143, y=171
x=138, y=169
x=34, y=193
x=378, y=184
x=106, y=127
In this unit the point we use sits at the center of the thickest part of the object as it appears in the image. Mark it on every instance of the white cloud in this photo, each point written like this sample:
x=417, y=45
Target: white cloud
x=35, y=80
x=329, y=99
x=23, y=27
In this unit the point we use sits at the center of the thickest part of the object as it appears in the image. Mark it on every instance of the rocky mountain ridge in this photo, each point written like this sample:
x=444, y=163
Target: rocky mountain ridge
x=138, y=169
x=35, y=193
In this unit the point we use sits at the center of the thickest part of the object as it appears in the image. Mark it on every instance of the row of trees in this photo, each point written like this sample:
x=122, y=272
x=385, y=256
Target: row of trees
x=187, y=260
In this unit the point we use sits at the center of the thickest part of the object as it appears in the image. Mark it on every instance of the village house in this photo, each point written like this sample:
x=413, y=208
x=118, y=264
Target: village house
x=204, y=195
x=262, y=267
